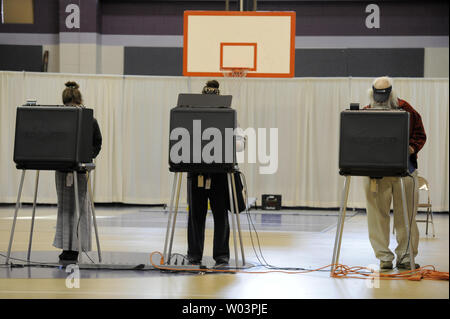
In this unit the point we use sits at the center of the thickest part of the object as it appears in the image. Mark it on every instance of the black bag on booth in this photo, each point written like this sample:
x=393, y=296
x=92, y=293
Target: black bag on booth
x=239, y=193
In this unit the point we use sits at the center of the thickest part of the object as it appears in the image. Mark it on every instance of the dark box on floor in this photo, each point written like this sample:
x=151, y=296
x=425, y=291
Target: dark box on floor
x=271, y=202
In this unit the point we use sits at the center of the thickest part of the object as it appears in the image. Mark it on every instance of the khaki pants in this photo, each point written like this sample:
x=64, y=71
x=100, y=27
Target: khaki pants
x=378, y=208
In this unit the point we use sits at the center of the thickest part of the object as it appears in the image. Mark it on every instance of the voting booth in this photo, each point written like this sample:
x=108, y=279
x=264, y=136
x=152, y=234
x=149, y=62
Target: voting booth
x=202, y=134
x=53, y=137
x=372, y=143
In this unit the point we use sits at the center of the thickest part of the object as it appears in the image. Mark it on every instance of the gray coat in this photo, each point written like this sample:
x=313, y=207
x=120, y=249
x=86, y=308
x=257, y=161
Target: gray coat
x=66, y=225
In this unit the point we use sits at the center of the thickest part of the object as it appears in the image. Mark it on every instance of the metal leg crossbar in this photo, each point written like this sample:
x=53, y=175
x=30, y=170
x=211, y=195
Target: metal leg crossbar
x=341, y=220
x=174, y=199
x=77, y=215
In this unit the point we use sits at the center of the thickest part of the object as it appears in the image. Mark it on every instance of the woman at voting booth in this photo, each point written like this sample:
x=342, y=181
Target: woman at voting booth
x=66, y=226
x=212, y=186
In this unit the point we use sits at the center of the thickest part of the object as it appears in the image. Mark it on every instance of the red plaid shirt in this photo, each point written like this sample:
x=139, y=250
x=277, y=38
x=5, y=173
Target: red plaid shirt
x=417, y=136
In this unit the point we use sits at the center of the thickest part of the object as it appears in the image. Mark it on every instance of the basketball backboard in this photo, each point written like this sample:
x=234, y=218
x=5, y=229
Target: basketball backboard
x=262, y=43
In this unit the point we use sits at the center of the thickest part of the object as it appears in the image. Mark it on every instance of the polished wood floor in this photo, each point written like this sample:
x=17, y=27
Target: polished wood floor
x=300, y=239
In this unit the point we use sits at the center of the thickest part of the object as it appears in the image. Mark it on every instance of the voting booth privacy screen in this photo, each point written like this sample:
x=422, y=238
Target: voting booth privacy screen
x=204, y=100
x=53, y=137
x=202, y=134
x=374, y=143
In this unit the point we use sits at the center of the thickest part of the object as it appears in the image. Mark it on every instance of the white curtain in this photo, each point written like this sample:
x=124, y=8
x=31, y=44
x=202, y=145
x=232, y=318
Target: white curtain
x=133, y=113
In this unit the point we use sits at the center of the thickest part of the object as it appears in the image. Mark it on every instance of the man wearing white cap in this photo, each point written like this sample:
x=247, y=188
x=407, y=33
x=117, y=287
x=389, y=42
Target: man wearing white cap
x=380, y=192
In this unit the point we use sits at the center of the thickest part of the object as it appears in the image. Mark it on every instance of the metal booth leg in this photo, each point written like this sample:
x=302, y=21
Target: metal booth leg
x=230, y=192
x=174, y=219
x=340, y=225
x=77, y=214
x=94, y=218
x=432, y=222
x=33, y=215
x=406, y=219
x=15, y=216
x=237, y=216
x=169, y=221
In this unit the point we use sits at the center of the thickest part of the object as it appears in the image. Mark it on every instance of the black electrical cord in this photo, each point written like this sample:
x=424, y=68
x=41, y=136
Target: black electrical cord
x=60, y=266
x=251, y=224
x=258, y=251
x=31, y=263
x=88, y=256
x=263, y=263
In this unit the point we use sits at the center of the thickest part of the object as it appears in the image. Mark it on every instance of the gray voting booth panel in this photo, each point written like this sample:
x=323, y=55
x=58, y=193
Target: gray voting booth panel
x=374, y=143
x=201, y=115
x=196, y=121
x=52, y=137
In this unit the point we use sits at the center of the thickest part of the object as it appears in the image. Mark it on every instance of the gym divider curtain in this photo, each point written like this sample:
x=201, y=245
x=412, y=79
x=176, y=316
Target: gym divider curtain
x=133, y=113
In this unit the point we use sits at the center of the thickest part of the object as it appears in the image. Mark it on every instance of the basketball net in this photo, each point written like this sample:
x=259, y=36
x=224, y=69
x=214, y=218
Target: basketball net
x=233, y=80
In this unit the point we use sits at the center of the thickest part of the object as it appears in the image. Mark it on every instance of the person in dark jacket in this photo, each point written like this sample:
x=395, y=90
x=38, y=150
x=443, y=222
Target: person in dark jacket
x=66, y=225
x=212, y=187
x=380, y=192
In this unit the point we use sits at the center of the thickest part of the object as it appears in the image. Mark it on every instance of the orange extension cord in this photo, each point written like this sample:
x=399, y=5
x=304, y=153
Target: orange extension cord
x=341, y=271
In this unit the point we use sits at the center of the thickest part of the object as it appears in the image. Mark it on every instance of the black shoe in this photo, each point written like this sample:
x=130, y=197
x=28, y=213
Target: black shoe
x=69, y=255
x=222, y=262
x=63, y=255
x=194, y=261
x=406, y=266
x=385, y=264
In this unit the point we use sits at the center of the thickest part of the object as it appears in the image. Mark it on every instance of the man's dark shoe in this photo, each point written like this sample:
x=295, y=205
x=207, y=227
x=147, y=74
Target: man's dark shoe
x=406, y=265
x=222, y=262
x=386, y=265
x=194, y=261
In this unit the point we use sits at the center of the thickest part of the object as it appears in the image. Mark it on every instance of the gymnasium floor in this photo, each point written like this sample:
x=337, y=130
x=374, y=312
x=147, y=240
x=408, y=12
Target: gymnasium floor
x=288, y=239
